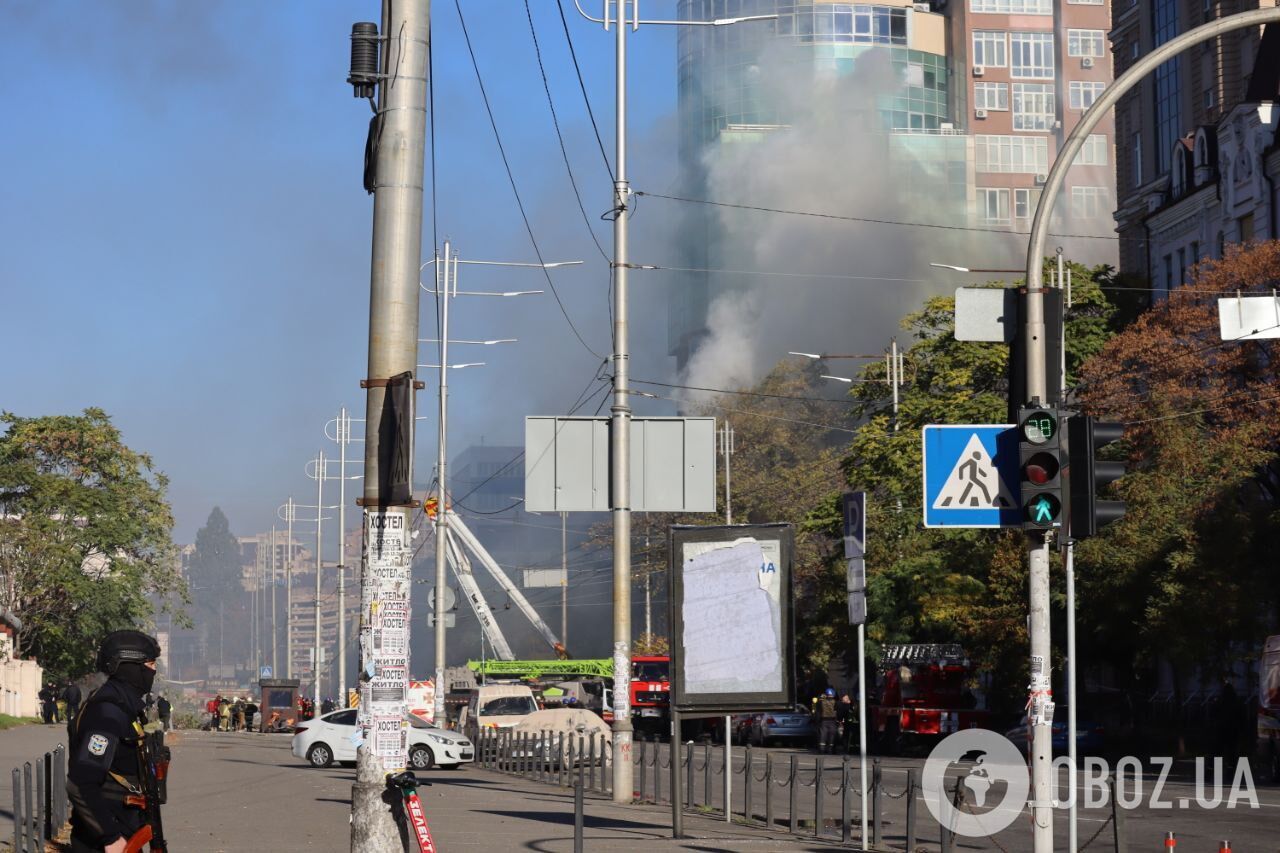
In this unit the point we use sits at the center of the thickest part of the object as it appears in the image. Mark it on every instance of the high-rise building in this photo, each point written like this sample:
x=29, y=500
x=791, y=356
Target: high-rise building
x=1025, y=71
x=1197, y=159
x=964, y=104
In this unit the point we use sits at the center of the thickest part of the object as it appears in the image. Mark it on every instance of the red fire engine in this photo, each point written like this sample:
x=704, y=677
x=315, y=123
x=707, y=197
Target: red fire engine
x=651, y=693
x=923, y=695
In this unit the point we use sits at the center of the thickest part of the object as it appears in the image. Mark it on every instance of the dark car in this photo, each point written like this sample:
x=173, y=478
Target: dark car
x=1089, y=735
x=793, y=727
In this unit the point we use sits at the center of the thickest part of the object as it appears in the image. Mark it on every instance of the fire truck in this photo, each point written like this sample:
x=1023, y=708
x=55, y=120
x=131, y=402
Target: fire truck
x=923, y=696
x=651, y=693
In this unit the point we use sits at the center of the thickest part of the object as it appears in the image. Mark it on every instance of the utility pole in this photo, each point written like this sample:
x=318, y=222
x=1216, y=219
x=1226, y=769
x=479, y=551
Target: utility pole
x=394, y=287
x=290, y=512
x=344, y=438
x=564, y=580
x=443, y=280
x=620, y=432
x=316, y=649
x=275, y=626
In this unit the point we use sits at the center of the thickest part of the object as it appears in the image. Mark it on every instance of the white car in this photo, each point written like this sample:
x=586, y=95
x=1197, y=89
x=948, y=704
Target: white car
x=330, y=738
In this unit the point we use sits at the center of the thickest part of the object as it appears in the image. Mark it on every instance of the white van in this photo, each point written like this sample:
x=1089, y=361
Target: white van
x=498, y=706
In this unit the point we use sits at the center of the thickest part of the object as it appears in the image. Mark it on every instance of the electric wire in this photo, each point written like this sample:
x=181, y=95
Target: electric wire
x=524, y=216
x=555, y=122
x=872, y=221
x=564, y=22
x=794, y=398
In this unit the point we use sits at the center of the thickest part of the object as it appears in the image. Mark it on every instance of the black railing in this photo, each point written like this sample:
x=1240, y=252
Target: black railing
x=40, y=807
x=560, y=758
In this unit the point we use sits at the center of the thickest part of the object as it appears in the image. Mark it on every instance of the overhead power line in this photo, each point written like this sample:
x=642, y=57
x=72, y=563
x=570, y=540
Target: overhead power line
x=511, y=178
x=583, y=87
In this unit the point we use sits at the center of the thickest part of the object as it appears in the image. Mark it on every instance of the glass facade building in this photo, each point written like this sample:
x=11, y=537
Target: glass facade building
x=741, y=82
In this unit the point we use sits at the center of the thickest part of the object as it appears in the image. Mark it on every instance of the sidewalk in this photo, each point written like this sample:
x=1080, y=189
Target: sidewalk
x=478, y=810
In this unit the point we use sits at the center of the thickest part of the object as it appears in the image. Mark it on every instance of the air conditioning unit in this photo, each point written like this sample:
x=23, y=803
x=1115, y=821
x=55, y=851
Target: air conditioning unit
x=1042, y=179
x=979, y=71
x=1057, y=125
x=979, y=113
x=1087, y=62
x=923, y=7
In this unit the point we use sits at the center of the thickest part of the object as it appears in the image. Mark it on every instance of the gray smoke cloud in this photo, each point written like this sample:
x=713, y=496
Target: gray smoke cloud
x=834, y=158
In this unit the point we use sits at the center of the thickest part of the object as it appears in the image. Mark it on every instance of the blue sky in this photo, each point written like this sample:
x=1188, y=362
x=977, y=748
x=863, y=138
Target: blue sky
x=186, y=240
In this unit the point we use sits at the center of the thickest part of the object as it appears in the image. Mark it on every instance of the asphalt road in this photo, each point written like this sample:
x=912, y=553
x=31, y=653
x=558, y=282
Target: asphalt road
x=1176, y=810
x=233, y=792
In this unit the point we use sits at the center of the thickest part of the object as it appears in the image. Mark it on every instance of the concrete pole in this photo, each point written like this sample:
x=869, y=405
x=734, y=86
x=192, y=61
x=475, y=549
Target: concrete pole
x=344, y=434
x=1037, y=380
x=620, y=437
x=394, y=288
x=275, y=614
x=564, y=580
x=288, y=589
x=316, y=662
x=445, y=287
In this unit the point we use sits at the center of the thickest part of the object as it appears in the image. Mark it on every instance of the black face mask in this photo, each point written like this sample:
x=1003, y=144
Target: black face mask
x=137, y=676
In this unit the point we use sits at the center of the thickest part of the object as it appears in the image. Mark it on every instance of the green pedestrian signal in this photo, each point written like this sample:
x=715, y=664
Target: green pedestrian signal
x=1040, y=452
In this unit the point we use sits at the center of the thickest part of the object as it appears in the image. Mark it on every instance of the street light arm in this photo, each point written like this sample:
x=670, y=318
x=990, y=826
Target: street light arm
x=1109, y=98
x=718, y=22
x=549, y=265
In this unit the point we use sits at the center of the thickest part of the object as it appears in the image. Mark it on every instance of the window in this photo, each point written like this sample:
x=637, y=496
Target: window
x=1086, y=2
x=1082, y=94
x=1210, y=98
x=1168, y=116
x=1012, y=7
x=989, y=49
x=1168, y=272
x=1195, y=251
x=1085, y=43
x=1031, y=55
x=1094, y=151
x=991, y=96
x=1182, y=266
x=1024, y=203
x=1023, y=154
x=1136, y=153
x=993, y=206
x=1033, y=106
x=1086, y=202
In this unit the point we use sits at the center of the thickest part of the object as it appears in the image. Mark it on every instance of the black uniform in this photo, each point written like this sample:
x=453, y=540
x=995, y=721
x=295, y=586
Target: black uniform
x=105, y=768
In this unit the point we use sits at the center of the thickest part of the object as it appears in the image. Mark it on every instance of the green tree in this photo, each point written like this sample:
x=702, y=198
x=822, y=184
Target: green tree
x=85, y=543
x=214, y=567
x=964, y=586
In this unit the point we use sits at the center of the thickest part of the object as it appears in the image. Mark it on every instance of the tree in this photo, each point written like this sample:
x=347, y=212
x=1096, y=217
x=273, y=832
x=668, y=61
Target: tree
x=1198, y=543
x=965, y=586
x=85, y=542
x=214, y=567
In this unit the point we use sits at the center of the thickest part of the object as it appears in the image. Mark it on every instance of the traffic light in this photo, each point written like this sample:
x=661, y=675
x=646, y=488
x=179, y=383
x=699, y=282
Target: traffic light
x=1085, y=437
x=1040, y=452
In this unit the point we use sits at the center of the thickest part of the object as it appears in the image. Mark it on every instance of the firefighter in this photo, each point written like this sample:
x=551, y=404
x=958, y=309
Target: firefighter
x=104, y=776
x=828, y=724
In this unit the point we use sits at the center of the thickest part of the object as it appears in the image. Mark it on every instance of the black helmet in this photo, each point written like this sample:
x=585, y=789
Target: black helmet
x=126, y=646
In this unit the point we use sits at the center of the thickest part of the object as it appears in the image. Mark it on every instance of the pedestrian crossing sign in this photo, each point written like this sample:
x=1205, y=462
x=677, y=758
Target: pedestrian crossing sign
x=971, y=475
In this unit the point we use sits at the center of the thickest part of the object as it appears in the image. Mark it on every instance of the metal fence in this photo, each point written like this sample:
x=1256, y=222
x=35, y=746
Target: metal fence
x=40, y=808
x=790, y=793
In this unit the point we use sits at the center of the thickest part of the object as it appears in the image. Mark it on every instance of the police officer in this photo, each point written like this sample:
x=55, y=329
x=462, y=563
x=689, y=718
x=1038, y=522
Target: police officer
x=104, y=777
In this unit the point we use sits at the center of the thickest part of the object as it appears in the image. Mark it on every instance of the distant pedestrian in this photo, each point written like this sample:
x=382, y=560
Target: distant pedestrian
x=326, y=706
x=165, y=709
x=211, y=708
x=48, y=705
x=828, y=724
x=72, y=696
x=1230, y=713
x=847, y=717
x=224, y=716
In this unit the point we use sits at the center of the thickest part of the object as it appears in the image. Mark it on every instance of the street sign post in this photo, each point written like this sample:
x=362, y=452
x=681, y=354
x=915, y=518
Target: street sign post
x=971, y=475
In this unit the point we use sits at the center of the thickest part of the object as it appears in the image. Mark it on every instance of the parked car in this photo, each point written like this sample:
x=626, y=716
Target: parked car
x=1089, y=735
x=332, y=737
x=794, y=727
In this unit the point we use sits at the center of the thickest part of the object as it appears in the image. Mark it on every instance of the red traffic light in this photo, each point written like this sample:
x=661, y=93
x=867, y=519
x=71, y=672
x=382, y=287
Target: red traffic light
x=1040, y=469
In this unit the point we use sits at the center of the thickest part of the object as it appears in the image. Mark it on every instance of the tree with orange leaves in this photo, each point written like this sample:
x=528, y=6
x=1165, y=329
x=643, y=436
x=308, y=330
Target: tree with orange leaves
x=1189, y=575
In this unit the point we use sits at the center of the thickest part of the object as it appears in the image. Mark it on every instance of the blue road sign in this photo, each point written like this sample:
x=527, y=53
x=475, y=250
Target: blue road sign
x=971, y=476
x=265, y=672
